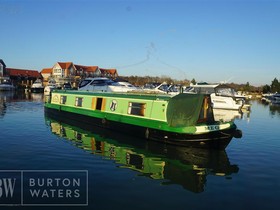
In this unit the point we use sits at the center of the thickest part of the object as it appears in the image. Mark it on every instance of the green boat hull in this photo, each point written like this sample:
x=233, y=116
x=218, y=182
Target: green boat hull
x=213, y=140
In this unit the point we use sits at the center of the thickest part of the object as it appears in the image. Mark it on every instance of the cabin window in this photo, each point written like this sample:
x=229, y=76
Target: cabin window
x=100, y=82
x=84, y=83
x=79, y=101
x=136, y=108
x=99, y=103
x=63, y=99
x=224, y=92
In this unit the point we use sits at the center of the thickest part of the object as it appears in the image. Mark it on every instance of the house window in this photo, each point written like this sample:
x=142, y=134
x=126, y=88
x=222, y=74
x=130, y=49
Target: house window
x=63, y=99
x=79, y=101
x=57, y=71
x=136, y=108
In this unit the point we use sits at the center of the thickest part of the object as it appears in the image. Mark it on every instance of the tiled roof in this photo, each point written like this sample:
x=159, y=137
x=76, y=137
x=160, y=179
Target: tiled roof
x=65, y=65
x=110, y=71
x=23, y=72
x=46, y=71
x=86, y=68
x=78, y=67
x=92, y=68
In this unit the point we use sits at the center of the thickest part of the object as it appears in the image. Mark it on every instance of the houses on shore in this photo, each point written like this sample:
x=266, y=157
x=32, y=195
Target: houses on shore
x=64, y=72
x=61, y=72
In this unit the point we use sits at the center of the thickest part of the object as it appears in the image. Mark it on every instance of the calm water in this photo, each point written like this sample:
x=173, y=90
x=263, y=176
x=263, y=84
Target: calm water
x=131, y=173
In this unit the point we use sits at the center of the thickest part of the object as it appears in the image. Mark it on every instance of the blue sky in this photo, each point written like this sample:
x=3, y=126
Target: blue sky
x=209, y=40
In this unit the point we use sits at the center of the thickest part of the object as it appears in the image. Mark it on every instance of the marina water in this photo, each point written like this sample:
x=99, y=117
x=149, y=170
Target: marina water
x=125, y=172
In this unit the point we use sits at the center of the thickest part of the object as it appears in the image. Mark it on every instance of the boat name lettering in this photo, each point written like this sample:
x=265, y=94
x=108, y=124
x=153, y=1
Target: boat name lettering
x=212, y=127
x=113, y=105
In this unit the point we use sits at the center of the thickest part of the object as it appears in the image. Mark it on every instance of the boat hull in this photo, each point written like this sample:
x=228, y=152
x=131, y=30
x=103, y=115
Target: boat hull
x=213, y=140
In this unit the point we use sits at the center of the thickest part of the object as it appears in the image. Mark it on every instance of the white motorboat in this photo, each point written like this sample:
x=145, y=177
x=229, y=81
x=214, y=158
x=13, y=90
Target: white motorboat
x=271, y=98
x=102, y=84
x=276, y=98
x=267, y=97
x=49, y=87
x=37, y=86
x=66, y=86
x=6, y=84
x=161, y=88
x=222, y=96
x=127, y=84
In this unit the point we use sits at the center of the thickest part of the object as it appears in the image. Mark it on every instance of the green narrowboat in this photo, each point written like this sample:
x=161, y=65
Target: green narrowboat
x=183, y=119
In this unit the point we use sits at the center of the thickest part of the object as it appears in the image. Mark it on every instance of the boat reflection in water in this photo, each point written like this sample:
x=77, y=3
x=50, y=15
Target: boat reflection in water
x=226, y=115
x=9, y=98
x=5, y=97
x=231, y=115
x=171, y=164
x=274, y=110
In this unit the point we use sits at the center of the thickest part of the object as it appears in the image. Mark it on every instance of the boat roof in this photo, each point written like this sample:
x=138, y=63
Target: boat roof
x=204, y=85
x=141, y=95
x=97, y=78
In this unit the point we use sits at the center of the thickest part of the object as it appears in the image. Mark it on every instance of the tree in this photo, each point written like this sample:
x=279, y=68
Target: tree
x=247, y=87
x=193, y=81
x=266, y=89
x=275, y=86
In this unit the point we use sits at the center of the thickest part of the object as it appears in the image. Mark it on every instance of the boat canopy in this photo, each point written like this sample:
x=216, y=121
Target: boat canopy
x=224, y=90
x=184, y=109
